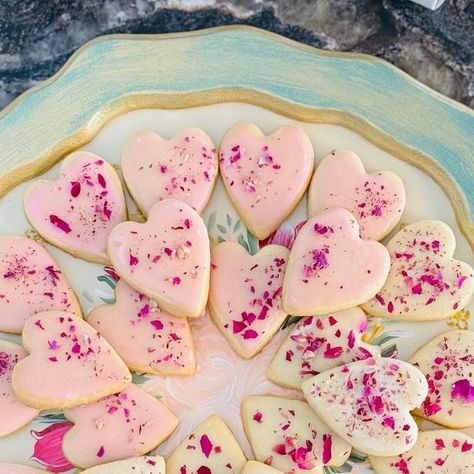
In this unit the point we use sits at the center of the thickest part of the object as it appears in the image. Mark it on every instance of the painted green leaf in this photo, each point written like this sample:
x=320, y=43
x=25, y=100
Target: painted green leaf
x=139, y=378
x=211, y=222
x=229, y=220
x=252, y=242
x=389, y=350
x=108, y=300
x=106, y=279
x=52, y=417
x=237, y=226
x=220, y=239
x=242, y=242
x=357, y=457
x=346, y=467
x=289, y=321
x=222, y=229
x=388, y=336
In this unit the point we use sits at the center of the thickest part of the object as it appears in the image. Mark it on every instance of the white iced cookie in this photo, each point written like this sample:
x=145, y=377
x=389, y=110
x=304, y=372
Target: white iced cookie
x=265, y=176
x=144, y=465
x=78, y=364
x=255, y=467
x=425, y=281
x=127, y=424
x=211, y=448
x=245, y=295
x=166, y=258
x=287, y=435
x=184, y=167
x=331, y=268
x=146, y=338
x=13, y=413
x=448, y=364
x=368, y=403
x=319, y=343
x=436, y=451
x=376, y=200
x=7, y=468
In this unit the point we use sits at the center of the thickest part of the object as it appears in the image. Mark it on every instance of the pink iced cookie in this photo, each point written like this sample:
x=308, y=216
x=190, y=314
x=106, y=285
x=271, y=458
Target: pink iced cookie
x=245, y=295
x=425, y=281
x=265, y=176
x=287, y=435
x=146, y=338
x=319, y=343
x=140, y=465
x=376, y=200
x=69, y=363
x=448, y=364
x=331, y=268
x=368, y=403
x=30, y=282
x=6, y=468
x=184, y=167
x=13, y=414
x=167, y=258
x=77, y=211
x=126, y=424
x=435, y=452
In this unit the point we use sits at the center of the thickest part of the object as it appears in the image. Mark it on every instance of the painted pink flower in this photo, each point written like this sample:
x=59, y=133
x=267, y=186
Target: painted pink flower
x=48, y=447
x=285, y=235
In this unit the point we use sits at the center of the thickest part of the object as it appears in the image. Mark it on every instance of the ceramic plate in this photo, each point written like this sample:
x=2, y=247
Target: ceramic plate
x=118, y=85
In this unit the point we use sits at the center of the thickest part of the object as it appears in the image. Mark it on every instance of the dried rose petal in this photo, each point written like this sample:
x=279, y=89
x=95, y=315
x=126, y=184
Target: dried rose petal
x=464, y=390
x=206, y=445
x=327, y=448
x=75, y=189
x=59, y=223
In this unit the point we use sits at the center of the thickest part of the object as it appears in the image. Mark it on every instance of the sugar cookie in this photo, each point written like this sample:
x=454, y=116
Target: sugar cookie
x=144, y=465
x=7, y=468
x=255, y=467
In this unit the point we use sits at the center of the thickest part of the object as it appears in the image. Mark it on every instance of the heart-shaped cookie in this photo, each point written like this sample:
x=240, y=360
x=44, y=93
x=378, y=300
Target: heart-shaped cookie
x=167, y=258
x=425, y=281
x=287, y=435
x=77, y=211
x=319, y=343
x=210, y=448
x=448, y=364
x=13, y=413
x=7, y=468
x=146, y=338
x=265, y=176
x=144, y=465
x=245, y=295
x=30, y=282
x=255, y=467
x=331, y=268
x=184, y=167
x=69, y=363
x=436, y=451
x=122, y=425
x=368, y=403
x=376, y=200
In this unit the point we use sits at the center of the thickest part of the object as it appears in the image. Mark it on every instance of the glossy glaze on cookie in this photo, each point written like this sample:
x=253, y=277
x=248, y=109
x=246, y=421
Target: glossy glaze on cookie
x=331, y=268
x=30, y=282
x=245, y=294
x=368, y=403
x=376, y=200
x=167, y=258
x=265, y=176
x=77, y=211
x=69, y=363
x=147, y=338
x=122, y=425
x=319, y=343
x=448, y=364
x=13, y=413
x=425, y=283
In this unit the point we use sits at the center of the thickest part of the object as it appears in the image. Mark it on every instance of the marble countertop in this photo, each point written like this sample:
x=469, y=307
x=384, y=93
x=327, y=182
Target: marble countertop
x=437, y=48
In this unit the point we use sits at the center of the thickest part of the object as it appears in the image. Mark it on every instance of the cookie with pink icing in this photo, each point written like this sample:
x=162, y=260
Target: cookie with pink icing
x=265, y=176
x=425, y=281
x=122, y=425
x=184, y=167
x=7, y=468
x=143, y=465
x=210, y=448
x=436, y=451
x=245, y=295
x=368, y=403
x=287, y=435
x=376, y=200
x=146, y=338
x=331, y=268
x=30, y=282
x=319, y=343
x=167, y=258
x=448, y=364
x=69, y=363
x=77, y=211
x=13, y=413
x=255, y=467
